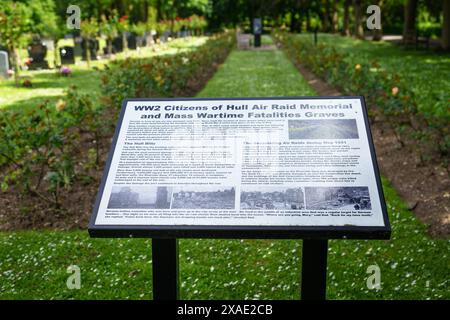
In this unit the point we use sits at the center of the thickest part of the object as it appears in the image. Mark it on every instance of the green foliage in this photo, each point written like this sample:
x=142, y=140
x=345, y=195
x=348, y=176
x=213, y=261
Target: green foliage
x=139, y=28
x=163, y=76
x=38, y=148
x=383, y=89
x=89, y=28
x=108, y=26
x=197, y=24
x=45, y=22
x=14, y=22
x=41, y=153
x=123, y=24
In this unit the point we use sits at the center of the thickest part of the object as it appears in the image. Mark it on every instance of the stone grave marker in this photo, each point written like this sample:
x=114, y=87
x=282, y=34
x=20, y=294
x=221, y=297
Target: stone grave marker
x=93, y=48
x=132, y=41
x=4, y=64
x=67, y=55
x=37, y=52
x=117, y=44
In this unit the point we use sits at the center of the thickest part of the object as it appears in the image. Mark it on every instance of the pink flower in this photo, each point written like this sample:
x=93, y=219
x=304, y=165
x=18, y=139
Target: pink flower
x=65, y=71
x=394, y=91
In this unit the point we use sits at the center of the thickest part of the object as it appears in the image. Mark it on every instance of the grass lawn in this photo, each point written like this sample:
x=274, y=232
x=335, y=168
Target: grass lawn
x=33, y=263
x=426, y=72
x=47, y=84
x=260, y=73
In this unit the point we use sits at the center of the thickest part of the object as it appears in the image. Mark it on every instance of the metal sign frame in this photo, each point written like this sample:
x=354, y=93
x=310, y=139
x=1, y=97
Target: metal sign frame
x=242, y=231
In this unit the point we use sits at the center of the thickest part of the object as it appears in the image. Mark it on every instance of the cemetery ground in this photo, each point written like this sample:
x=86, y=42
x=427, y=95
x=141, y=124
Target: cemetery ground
x=50, y=85
x=413, y=265
x=425, y=71
x=407, y=91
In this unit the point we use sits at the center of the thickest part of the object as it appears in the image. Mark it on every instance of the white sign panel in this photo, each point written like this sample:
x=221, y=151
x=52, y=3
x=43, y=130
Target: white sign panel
x=247, y=163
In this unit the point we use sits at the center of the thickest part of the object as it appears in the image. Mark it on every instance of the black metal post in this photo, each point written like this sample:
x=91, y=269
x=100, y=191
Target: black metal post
x=314, y=269
x=315, y=36
x=165, y=269
x=257, y=40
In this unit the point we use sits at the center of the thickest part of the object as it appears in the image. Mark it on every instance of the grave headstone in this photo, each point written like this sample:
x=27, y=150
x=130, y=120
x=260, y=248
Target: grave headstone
x=257, y=30
x=67, y=55
x=117, y=44
x=165, y=36
x=141, y=41
x=149, y=37
x=132, y=41
x=78, y=50
x=49, y=43
x=93, y=48
x=3, y=48
x=37, y=52
x=4, y=64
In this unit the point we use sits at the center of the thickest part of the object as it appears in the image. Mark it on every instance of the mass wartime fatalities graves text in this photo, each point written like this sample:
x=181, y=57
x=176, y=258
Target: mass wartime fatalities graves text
x=242, y=162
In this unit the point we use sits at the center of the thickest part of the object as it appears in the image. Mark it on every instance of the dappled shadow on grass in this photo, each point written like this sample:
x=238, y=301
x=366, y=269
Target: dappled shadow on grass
x=26, y=105
x=55, y=80
x=46, y=86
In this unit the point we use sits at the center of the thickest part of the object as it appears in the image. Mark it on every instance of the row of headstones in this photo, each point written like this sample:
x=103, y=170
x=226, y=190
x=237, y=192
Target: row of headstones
x=37, y=50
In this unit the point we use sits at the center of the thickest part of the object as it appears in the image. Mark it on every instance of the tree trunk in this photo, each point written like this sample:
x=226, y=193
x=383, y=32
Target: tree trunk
x=55, y=52
x=293, y=26
x=334, y=24
x=308, y=21
x=88, y=53
x=300, y=21
x=446, y=26
x=109, y=41
x=15, y=61
x=326, y=17
x=359, y=31
x=145, y=11
x=295, y=21
x=409, y=26
x=121, y=7
x=159, y=15
x=346, y=27
x=124, y=42
x=377, y=34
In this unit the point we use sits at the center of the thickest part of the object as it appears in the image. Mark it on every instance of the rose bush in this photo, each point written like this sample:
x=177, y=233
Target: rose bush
x=47, y=150
x=385, y=92
x=164, y=76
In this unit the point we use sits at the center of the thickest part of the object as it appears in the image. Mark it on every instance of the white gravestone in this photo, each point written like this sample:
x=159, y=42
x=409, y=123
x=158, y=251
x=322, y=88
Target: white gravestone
x=4, y=64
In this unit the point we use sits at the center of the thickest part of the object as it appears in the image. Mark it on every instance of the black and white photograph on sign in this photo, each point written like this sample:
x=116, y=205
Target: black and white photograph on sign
x=203, y=197
x=323, y=129
x=140, y=197
x=273, y=198
x=343, y=198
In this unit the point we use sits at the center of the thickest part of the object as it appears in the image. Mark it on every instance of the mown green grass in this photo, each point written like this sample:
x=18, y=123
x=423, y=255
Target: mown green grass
x=257, y=73
x=49, y=85
x=425, y=71
x=33, y=263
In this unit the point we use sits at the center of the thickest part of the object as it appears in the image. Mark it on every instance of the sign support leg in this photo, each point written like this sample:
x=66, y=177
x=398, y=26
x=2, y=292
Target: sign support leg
x=165, y=269
x=314, y=269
